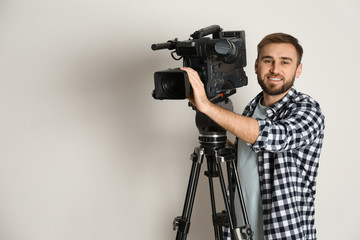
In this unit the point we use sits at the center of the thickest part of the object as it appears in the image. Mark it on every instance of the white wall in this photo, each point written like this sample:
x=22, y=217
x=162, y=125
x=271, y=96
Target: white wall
x=86, y=153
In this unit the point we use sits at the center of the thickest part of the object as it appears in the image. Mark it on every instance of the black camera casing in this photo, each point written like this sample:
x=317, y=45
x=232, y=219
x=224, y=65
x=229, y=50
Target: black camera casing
x=219, y=61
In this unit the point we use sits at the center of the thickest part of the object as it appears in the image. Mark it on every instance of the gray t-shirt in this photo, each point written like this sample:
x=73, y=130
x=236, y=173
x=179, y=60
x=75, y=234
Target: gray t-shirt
x=247, y=167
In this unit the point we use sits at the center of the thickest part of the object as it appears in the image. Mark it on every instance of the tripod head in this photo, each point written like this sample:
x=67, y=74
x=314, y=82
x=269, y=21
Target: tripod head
x=211, y=135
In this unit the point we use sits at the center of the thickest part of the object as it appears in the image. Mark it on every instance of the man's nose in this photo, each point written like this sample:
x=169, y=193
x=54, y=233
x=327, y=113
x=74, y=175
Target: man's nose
x=274, y=68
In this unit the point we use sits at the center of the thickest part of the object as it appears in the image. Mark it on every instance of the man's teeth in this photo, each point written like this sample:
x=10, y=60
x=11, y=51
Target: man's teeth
x=275, y=79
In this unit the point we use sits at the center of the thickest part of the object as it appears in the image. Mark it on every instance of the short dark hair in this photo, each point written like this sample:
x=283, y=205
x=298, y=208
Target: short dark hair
x=281, y=38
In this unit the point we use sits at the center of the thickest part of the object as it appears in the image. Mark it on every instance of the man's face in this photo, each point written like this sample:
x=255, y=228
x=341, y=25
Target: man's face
x=276, y=68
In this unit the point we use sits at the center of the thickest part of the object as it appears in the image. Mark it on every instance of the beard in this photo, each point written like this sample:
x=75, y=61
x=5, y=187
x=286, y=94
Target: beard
x=273, y=90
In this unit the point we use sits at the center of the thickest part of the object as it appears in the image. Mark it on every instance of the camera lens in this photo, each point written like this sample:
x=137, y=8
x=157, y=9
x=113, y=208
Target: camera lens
x=171, y=84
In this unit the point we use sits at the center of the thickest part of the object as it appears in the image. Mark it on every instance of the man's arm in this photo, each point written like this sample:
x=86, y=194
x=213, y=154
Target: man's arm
x=245, y=128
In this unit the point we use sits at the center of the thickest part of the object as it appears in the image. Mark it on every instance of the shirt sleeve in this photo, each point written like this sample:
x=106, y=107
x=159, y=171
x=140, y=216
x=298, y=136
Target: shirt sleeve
x=300, y=126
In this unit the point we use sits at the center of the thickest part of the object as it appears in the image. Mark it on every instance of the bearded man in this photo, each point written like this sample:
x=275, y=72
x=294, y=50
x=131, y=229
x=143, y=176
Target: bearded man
x=279, y=139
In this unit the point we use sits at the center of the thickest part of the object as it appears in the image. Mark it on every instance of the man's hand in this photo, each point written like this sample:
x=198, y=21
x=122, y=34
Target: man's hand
x=244, y=128
x=198, y=97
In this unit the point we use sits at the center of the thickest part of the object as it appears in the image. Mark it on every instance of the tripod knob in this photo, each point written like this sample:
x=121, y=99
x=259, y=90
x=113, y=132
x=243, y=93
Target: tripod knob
x=176, y=223
x=181, y=225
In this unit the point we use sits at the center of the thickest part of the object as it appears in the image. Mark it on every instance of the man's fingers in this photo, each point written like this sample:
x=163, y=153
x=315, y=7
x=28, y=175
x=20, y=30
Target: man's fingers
x=194, y=78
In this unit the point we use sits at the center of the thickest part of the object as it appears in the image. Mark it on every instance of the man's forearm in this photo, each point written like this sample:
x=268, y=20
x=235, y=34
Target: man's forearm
x=245, y=128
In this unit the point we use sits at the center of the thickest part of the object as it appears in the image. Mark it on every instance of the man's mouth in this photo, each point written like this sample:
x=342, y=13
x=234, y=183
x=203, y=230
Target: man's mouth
x=274, y=78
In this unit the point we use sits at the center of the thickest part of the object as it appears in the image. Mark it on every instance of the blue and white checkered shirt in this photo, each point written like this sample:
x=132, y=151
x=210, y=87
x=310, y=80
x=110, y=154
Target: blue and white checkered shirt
x=288, y=149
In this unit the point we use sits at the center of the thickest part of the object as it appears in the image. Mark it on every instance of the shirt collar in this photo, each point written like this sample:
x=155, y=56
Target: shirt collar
x=283, y=102
x=271, y=111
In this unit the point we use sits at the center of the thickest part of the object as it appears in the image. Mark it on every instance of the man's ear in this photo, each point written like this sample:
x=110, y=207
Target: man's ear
x=256, y=66
x=298, y=70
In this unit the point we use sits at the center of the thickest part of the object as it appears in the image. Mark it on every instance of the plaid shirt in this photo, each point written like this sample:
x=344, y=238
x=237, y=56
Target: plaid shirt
x=288, y=149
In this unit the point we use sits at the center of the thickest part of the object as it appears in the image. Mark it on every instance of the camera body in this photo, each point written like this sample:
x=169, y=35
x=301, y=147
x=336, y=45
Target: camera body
x=219, y=61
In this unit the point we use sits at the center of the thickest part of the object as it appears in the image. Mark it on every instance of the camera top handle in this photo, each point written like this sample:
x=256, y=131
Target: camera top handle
x=206, y=31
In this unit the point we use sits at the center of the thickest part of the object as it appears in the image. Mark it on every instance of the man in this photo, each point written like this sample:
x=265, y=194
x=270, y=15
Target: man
x=280, y=136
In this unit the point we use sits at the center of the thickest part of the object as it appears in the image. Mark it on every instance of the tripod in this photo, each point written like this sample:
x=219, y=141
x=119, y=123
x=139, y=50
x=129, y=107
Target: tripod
x=212, y=139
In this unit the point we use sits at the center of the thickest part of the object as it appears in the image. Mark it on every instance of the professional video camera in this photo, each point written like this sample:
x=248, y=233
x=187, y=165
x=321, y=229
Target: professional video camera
x=219, y=62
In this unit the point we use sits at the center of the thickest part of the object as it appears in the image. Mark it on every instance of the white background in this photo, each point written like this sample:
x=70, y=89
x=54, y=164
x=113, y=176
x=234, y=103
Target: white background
x=86, y=153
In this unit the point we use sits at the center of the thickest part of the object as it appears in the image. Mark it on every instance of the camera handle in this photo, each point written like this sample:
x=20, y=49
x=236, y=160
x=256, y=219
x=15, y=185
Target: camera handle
x=206, y=31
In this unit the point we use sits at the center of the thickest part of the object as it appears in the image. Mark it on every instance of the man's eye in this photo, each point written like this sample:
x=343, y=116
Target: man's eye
x=284, y=62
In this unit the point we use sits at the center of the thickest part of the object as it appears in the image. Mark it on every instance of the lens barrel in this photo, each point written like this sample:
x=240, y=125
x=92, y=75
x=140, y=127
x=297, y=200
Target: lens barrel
x=171, y=84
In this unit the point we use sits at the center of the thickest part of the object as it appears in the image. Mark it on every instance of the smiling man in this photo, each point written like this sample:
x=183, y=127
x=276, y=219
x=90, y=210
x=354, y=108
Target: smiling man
x=279, y=139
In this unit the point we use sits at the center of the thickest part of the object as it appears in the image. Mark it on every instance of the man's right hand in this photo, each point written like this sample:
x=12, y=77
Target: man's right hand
x=198, y=97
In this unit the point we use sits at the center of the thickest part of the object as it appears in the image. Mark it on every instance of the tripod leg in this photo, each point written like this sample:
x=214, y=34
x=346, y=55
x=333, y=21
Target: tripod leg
x=224, y=193
x=245, y=231
x=223, y=219
x=238, y=185
x=226, y=155
x=182, y=224
x=211, y=173
x=231, y=190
